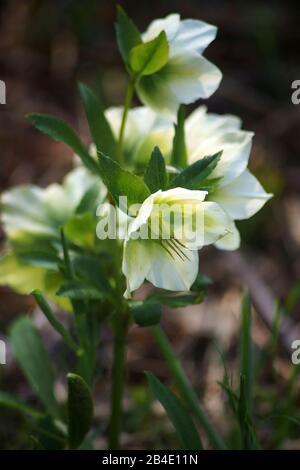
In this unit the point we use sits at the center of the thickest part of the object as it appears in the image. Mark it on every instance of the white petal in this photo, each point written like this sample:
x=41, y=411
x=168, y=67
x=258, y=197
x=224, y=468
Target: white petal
x=243, y=197
x=144, y=129
x=191, y=77
x=136, y=263
x=186, y=78
x=169, y=24
x=231, y=241
x=216, y=222
x=173, y=273
x=193, y=35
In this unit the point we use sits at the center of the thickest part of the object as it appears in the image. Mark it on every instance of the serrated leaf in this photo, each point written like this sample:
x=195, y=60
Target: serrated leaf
x=100, y=129
x=177, y=414
x=128, y=36
x=149, y=57
x=30, y=353
x=80, y=410
x=121, y=182
x=156, y=176
x=60, y=131
x=192, y=176
x=146, y=313
x=179, y=152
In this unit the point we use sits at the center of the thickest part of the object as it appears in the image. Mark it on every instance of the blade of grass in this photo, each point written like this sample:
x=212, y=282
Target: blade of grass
x=186, y=390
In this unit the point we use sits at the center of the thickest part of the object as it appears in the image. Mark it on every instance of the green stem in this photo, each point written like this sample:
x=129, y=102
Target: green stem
x=185, y=387
x=127, y=104
x=118, y=378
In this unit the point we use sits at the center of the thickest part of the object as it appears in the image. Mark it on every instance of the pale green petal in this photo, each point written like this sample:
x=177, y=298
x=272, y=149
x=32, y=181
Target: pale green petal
x=173, y=272
x=144, y=129
x=207, y=134
x=42, y=211
x=23, y=278
x=136, y=263
x=243, y=197
x=231, y=241
x=216, y=222
x=187, y=77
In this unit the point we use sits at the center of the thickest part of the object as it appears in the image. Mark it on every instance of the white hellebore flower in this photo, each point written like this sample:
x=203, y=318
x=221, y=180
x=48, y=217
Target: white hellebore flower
x=187, y=76
x=233, y=187
x=163, y=239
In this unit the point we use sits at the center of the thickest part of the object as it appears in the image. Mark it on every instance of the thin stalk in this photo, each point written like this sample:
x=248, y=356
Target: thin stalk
x=120, y=321
x=185, y=387
x=118, y=379
x=127, y=104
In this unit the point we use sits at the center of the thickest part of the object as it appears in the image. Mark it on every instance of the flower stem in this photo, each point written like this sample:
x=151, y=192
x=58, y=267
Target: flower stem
x=118, y=376
x=127, y=104
x=185, y=387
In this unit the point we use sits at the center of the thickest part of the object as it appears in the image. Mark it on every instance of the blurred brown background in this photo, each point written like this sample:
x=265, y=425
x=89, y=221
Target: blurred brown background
x=47, y=46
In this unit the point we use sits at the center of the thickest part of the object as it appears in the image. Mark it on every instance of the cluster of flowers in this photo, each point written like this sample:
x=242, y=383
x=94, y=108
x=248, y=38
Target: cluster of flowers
x=229, y=192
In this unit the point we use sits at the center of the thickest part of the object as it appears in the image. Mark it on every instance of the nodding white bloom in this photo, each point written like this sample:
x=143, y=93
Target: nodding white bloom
x=163, y=239
x=187, y=76
x=233, y=187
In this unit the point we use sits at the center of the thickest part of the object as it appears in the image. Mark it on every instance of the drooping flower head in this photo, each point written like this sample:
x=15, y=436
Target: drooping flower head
x=187, y=75
x=163, y=239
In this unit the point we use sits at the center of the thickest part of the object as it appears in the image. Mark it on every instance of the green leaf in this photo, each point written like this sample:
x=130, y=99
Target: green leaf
x=54, y=322
x=179, y=153
x=78, y=290
x=89, y=269
x=80, y=410
x=30, y=353
x=146, y=313
x=182, y=299
x=156, y=176
x=191, y=176
x=100, y=129
x=121, y=182
x=128, y=35
x=177, y=414
x=246, y=425
x=9, y=401
x=60, y=131
x=246, y=349
x=149, y=57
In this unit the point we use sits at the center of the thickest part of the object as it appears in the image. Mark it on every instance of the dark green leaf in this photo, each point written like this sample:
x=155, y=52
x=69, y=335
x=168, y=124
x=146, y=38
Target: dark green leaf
x=128, y=35
x=80, y=410
x=191, y=176
x=9, y=401
x=246, y=349
x=89, y=269
x=149, y=57
x=121, y=182
x=179, y=153
x=78, y=290
x=100, y=129
x=155, y=176
x=60, y=131
x=53, y=320
x=177, y=414
x=246, y=425
x=178, y=300
x=146, y=313
x=32, y=357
